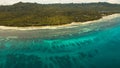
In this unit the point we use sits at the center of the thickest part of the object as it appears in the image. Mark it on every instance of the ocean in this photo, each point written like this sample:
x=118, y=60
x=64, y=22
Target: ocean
x=94, y=45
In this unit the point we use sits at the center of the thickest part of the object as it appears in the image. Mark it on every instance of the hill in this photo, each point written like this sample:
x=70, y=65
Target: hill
x=33, y=14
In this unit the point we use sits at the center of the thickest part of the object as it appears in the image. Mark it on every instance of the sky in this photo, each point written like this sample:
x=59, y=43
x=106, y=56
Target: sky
x=9, y=2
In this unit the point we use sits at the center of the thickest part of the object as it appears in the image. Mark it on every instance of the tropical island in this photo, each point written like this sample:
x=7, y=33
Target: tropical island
x=33, y=14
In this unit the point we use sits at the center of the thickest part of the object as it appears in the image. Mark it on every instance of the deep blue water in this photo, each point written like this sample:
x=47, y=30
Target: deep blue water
x=97, y=48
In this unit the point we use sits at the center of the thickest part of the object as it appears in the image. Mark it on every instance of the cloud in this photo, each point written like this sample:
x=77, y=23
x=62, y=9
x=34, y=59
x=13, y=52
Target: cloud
x=5, y=2
x=114, y=1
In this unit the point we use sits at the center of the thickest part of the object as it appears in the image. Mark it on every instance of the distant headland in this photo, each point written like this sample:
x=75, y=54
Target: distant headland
x=33, y=14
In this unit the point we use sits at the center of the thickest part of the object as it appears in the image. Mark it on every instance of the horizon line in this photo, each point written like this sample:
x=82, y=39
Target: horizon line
x=58, y=3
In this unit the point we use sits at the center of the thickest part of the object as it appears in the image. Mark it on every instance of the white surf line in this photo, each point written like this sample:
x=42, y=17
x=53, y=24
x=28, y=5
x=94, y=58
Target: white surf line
x=73, y=24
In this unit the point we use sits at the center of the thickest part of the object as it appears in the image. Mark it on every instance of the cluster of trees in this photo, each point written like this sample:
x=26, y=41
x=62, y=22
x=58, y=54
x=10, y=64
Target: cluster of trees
x=33, y=14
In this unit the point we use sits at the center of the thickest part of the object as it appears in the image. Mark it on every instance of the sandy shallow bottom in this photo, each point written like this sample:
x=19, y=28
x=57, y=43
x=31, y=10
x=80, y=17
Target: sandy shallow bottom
x=56, y=31
x=93, y=45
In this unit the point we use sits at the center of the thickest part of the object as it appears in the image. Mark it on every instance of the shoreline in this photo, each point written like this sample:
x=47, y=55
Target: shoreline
x=71, y=25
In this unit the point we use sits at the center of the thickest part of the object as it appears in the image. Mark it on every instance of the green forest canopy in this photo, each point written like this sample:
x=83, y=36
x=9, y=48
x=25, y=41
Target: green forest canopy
x=33, y=14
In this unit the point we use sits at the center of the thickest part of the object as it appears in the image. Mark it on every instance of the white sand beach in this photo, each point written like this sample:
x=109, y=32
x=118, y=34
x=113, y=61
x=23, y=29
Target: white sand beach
x=73, y=24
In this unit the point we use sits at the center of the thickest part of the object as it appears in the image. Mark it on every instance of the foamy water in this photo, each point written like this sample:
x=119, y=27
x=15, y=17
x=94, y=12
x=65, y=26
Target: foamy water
x=94, y=45
x=72, y=25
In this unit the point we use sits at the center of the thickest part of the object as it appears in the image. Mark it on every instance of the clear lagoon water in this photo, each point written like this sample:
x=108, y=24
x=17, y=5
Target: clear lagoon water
x=95, y=45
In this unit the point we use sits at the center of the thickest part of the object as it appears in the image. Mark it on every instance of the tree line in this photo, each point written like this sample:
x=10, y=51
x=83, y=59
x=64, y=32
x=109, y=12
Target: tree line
x=33, y=14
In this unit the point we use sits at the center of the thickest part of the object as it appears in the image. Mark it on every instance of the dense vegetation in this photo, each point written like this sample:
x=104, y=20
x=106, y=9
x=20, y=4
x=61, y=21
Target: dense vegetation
x=33, y=14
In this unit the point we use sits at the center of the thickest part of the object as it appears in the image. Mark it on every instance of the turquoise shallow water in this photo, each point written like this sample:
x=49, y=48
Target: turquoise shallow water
x=97, y=47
